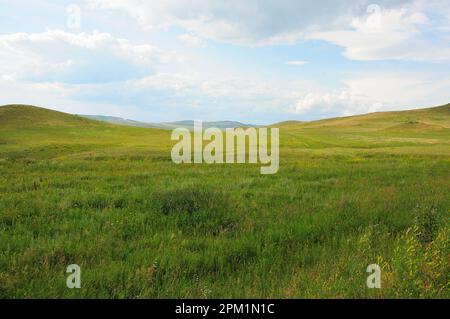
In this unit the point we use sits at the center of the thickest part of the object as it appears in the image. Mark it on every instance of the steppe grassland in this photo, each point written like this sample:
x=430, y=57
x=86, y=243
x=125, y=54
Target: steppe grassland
x=349, y=193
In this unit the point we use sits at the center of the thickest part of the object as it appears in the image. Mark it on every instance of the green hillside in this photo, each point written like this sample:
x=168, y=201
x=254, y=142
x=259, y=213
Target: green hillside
x=431, y=118
x=350, y=192
x=33, y=132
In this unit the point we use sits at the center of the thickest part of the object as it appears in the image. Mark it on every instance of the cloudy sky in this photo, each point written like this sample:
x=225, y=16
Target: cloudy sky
x=257, y=61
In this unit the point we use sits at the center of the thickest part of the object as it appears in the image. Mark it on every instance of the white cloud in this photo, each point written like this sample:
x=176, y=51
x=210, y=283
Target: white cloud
x=60, y=55
x=373, y=92
x=237, y=89
x=359, y=94
x=392, y=29
x=252, y=22
x=405, y=33
x=344, y=102
x=61, y=97
x=191, y=40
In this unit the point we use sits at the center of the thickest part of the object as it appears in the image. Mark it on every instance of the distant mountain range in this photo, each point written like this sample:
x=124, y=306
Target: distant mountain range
x=165, y=125
x=434, y=119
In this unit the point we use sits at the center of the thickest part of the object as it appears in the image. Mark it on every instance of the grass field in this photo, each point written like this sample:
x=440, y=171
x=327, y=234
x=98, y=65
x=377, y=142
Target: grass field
x=350, y=192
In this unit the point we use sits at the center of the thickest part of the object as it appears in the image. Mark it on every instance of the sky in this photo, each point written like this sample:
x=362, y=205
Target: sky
x=254, y=61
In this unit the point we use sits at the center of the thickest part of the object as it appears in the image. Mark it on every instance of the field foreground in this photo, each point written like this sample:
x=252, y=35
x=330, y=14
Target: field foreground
x=350, y=192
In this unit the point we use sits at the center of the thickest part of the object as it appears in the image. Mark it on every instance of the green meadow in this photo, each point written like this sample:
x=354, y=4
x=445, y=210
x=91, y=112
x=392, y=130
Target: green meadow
x=350, y=192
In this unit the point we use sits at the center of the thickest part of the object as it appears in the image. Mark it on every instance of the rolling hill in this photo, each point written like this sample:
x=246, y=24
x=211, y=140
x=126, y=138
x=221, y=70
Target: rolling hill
x=435, y=118
x=14, y=116
x=426, y=119
x=22, y=125
x=46, y=133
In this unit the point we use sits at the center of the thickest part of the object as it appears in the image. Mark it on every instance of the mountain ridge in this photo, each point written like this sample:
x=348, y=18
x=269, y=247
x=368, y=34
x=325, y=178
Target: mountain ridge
x=165, y=125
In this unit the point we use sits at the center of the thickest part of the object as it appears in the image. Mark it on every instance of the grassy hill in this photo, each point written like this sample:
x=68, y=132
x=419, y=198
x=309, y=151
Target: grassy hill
x=350, y=192
x=429, y=118
x=33, y=132
x=13, y=116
